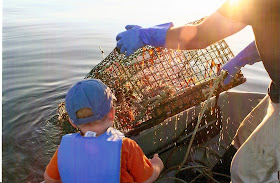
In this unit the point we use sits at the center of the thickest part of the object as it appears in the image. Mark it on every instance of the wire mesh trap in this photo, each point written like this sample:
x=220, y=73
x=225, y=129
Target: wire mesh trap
x=156, y=83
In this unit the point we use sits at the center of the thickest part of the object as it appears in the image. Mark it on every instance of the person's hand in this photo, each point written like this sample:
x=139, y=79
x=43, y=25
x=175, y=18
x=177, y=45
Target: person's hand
x=129, y=41
x=136, y=37
x=232, y=69
x=157, y=166
x=157, y=162
x=249, y=55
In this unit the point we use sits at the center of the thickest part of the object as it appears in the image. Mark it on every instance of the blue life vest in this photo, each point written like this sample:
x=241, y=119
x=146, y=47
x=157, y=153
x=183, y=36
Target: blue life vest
x=90, y=159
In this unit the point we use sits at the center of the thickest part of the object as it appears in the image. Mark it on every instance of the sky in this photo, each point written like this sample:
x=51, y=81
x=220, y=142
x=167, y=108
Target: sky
x=160, y=11
x=130, y=11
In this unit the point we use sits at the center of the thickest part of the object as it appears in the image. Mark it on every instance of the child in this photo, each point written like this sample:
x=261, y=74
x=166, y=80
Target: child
x=99, y=153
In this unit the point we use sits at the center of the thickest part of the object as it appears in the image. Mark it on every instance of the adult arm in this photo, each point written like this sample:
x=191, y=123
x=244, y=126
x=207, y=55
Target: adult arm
x=226, y=21
x=212, y=29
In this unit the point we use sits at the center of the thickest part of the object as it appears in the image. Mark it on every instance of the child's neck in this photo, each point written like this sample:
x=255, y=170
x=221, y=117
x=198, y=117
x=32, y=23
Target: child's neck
x=98, y=131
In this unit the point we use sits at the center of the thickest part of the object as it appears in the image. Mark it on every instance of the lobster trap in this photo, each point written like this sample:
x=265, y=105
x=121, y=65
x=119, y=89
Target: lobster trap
x=156, y=83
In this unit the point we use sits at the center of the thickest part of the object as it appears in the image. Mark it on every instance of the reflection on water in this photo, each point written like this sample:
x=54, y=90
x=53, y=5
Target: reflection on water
x=40, y=63
x=41, y=60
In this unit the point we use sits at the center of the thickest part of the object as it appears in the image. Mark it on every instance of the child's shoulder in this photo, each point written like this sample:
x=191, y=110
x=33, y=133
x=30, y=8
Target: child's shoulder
x=127, y=140
x=129, y=143
x=131, y=151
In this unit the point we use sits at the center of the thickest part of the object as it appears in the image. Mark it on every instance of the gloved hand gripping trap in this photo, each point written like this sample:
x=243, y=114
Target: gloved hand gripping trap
x=156, y=83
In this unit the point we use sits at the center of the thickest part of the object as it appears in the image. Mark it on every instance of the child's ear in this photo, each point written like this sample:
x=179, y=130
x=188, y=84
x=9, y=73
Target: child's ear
x=75, y=126
x=112, y=114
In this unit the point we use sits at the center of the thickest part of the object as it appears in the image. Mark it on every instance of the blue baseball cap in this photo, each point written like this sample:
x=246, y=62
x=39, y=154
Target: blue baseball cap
x=89, y=93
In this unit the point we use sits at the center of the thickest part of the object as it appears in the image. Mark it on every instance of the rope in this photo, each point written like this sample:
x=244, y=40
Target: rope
x=215, y=86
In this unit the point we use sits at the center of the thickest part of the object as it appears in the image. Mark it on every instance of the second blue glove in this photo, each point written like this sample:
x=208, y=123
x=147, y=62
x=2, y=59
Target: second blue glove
x=248, y=55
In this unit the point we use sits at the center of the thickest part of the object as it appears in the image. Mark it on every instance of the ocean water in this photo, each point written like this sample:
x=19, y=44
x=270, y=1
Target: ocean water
x=48, y=46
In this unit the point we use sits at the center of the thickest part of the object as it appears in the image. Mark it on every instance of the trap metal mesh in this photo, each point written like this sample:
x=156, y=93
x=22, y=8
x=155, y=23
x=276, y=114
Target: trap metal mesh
x=156, y=83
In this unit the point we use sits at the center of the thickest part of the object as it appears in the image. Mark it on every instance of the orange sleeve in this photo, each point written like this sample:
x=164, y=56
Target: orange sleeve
x=52, y=167
x=135, y=166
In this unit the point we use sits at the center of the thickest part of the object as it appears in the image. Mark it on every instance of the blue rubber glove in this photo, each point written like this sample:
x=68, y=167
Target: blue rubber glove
x=249, y=55
x=136, y=37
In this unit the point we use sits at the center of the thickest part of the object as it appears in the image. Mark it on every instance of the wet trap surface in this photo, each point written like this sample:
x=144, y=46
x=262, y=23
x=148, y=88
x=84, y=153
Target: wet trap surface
x=156, y=83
